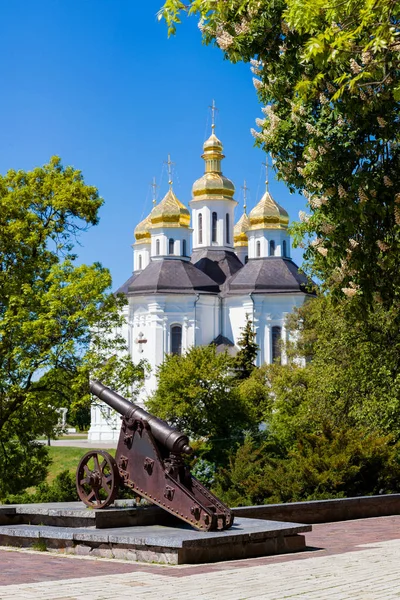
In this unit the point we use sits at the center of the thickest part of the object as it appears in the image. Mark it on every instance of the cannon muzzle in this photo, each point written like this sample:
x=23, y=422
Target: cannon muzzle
x=175, y=441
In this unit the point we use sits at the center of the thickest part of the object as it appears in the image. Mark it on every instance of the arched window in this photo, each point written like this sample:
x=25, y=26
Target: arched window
x=140, y=262
x=227, y=228
x=176, y=339
x=183, y=247
x=170, y=246
x=246, y=259
x=272, y=248
x=214, y=227
x=284, y=251
x=276, y=343
x=157, y=247
x=258, y=249
x=200, y=220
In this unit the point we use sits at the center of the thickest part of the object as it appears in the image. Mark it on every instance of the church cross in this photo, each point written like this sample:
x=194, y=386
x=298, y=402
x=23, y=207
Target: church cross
x=154, y=186
x=140, y=340
x=214, y=109
x=266, y=171
x=244, y=188
x=169, y=164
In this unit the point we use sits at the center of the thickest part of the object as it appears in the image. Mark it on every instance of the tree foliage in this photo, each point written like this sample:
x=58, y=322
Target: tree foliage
x=197, y=392
x=335, y=463
x=352, y=371
x=327, y=75
x=248, y=349
x=55, y=316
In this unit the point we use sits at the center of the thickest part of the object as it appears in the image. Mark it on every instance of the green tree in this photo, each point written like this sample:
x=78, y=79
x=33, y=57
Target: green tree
x=352, y=370
x=55, y=316
x=248, y=350
x=197, y=393
x=327, y=75
x=335, y=463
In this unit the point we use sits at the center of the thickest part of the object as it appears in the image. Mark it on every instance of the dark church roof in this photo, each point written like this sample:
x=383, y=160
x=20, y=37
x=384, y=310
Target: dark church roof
x=217, y=264
x=124, y=287
x=171, y=276
x=270, y=275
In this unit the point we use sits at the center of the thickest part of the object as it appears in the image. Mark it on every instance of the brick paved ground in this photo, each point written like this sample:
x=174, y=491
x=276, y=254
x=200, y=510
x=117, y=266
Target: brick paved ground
x=352, y=559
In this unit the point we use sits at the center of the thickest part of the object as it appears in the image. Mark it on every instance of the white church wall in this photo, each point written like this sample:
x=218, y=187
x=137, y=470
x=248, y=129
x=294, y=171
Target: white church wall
x=264, y=237
x=141, y=255
x=163, y=235
x=265, y=311
x=222, y=208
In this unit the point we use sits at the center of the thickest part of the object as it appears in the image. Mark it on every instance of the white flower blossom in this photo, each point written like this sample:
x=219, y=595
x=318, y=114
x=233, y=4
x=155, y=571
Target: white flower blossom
x=322, y=250
x=354, y=66
x=311, y=129
x=224, y=39
x=242, y=27
x=362, y=195
x=255, y=133
x=381, y=121
x=387, y=181
x=383, y=246
x=350, y=291
x=366, y=57
x=316, y=242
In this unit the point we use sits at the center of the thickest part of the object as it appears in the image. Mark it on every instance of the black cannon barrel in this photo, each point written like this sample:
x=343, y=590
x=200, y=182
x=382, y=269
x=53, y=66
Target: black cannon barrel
x=175, y=441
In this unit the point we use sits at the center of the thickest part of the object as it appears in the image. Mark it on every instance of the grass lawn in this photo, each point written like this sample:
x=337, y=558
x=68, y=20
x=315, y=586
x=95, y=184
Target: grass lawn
x=64, y=457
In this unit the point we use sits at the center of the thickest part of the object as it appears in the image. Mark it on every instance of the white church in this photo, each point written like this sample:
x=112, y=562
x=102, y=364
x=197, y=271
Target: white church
x=196, y=276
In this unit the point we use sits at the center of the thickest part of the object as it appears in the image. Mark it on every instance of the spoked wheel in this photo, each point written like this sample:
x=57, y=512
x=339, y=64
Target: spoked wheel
x=97, y=479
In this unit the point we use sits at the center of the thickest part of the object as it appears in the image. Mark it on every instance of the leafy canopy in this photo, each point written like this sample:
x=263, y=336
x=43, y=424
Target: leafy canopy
x=327, y=75
x=197, y=392
x=55, y=316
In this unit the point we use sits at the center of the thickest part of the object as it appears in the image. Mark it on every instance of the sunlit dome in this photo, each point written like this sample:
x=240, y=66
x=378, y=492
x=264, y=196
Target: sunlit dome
x=213, y=185
x=240, y=231
x=268, y=214
x=142, y=231
x=170, y=212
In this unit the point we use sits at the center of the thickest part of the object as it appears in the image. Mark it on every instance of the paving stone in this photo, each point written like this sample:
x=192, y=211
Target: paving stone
x=357, y=560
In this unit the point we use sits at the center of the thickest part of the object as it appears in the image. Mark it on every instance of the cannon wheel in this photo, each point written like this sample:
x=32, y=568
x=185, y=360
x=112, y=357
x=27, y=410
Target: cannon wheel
x=97, y=479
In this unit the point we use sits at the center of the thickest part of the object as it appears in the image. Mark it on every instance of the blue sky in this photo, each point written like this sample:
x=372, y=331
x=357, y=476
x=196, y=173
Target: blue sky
x=99, y=83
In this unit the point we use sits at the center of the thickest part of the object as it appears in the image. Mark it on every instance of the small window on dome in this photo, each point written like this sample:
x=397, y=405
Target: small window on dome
x=183, y=247
x=140, y=262
x=227, y=228
x=246, y=259
x=157, y=247
x=170, y=246
x=258, y=249
x=284, y=251
x=214, y=227
x=272, y=248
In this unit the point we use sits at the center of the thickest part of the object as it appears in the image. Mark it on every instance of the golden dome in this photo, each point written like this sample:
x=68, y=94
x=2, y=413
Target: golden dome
x=213, y=185
x=170, y=212
x=213, y=144
x=239, y=231
x=142, y=231
x=267, y=214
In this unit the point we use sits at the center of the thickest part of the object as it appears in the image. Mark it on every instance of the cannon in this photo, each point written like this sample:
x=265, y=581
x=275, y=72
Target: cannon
x=148, y=461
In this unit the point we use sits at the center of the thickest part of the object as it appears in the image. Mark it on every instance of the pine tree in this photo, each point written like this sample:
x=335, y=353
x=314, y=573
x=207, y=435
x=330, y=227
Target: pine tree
x=247, y=354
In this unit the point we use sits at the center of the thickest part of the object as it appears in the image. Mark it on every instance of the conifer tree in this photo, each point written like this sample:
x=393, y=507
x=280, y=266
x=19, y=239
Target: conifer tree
x=245, y=358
